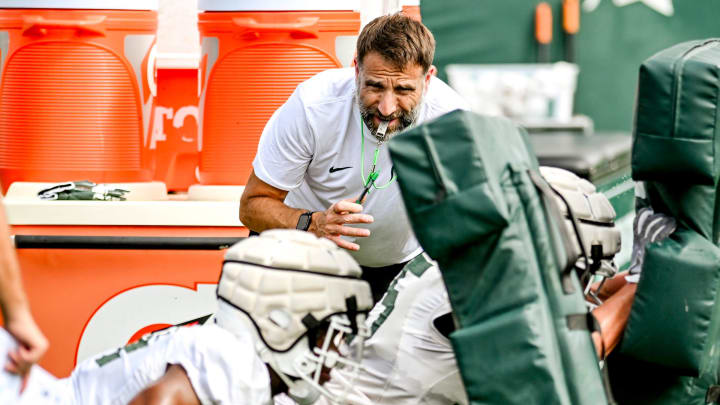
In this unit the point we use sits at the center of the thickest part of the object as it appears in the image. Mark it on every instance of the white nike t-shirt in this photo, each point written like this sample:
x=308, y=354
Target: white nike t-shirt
x=407, y=361
x=311, y=147
x=222, y=368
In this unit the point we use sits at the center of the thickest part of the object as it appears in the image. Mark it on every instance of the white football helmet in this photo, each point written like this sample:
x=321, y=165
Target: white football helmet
x=287, y=288
x=595, y=218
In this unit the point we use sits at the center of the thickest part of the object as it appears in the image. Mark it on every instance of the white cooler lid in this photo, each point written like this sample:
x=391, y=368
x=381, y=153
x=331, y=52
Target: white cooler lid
x=83, y=4
x=278, y=5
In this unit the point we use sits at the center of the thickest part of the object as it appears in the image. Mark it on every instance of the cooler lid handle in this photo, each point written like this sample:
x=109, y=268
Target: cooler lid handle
x=304, y=27
x=37, y=25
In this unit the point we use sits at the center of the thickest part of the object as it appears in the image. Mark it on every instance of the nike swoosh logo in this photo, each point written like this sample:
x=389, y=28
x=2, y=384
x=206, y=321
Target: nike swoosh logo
x=337, y=169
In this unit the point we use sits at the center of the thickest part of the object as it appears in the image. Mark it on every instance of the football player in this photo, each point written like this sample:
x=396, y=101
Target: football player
x=408, y=358
x=285, y=300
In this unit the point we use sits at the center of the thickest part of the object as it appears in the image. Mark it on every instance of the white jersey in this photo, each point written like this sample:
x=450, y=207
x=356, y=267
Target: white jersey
x=222, y=368
x=311, y=146
x=407, y=361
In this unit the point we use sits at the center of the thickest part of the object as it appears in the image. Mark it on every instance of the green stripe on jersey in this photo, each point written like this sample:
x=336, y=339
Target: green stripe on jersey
x=417, y=267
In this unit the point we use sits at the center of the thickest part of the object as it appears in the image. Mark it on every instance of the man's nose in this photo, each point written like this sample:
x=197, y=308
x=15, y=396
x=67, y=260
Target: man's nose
x=388, y=104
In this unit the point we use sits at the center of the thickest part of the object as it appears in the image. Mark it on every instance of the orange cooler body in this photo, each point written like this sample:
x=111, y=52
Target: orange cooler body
x=412, y=11
x=251, y=63
x=175, y=123
x=76, y=94
x=69, y=288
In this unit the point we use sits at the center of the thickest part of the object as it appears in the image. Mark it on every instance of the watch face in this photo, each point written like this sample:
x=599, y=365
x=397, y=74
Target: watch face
x=304, y=221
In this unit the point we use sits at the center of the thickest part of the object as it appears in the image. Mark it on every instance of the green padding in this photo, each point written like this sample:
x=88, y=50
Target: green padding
x=692, y=159
x=466, y=182
x=669, y=352
x=449, y=181
x=473, y=202
x=693, y=206
x=677, y=116
x=514, y=359
x=675, y=304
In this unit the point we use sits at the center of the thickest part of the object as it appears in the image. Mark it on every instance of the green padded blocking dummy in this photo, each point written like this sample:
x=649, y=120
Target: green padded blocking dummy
x=671, y=347
x=469, y=186
x=676, y=134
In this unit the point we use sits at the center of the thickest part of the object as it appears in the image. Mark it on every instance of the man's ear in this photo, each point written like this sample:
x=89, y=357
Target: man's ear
x=357, y=68
x=432, y=71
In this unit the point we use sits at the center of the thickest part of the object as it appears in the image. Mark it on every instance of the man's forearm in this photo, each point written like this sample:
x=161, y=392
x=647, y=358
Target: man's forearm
x=262, y=207
x=261, y=213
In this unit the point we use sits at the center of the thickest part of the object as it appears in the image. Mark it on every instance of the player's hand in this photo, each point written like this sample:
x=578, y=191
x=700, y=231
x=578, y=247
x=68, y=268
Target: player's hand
x=32, y=344
x=609, y=287
x=332, y=223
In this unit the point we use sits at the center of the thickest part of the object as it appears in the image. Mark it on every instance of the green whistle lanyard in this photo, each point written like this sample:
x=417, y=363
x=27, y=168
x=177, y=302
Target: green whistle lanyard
x=373, y=175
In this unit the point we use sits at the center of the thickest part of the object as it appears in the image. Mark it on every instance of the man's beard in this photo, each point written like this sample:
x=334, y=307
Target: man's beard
x=405, y=119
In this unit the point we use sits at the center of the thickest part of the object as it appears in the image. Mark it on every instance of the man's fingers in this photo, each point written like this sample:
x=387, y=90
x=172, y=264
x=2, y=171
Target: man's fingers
x=15, y=364
x=343, y=243
x=342, y=213
x=348, y=205
x=340, y=230
x=30, y=355
x=352, y=231
x=11, y=367
x=352, y=219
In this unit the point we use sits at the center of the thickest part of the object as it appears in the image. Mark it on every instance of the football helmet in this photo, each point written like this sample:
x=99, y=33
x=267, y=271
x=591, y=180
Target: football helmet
x=301, y=299
x=595, y=219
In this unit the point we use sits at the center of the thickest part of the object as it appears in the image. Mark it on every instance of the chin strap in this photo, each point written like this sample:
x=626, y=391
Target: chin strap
x=300, y=391
x=312, y=325
x=352, y=312
x=303, y=393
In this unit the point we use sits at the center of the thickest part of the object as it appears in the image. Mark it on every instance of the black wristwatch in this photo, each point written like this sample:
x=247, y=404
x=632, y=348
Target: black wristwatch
x=305, y=220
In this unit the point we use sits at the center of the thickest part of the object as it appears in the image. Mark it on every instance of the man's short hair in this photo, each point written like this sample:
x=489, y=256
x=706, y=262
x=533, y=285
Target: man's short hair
x=399, y=39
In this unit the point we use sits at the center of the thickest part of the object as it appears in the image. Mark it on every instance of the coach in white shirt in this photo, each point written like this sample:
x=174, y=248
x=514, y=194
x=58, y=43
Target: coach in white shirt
x=318, y=150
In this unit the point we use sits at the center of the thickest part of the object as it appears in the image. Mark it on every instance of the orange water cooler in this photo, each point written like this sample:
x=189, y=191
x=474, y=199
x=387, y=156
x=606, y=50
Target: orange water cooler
x=76, y=91
x=254, y=54
x=173, y=136
x=411, y=8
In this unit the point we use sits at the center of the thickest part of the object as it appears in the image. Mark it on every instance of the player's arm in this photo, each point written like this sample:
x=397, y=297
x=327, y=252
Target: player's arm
x=174, y=388
x=16, y=315
x=610, y=286
x=262, y=207
x=612, y=316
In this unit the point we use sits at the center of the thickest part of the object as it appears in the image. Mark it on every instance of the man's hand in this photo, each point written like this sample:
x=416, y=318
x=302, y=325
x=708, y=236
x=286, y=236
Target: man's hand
x=262, y=207
x=32, y=344
x=332, y=223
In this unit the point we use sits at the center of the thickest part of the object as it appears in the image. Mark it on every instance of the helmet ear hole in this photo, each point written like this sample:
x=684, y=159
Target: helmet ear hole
x=305, y=366
x=280, y=317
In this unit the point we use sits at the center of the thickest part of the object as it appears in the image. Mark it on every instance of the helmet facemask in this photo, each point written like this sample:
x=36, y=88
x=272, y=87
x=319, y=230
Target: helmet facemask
x=332, y=352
